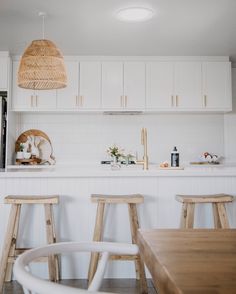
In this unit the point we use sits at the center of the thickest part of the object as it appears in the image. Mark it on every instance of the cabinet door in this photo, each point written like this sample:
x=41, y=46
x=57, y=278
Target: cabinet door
x=160, y=83
x=68, y=98
x=188, y=85
x=45, y=99
x=134, y=85
x=112, y=85
x=217, y=85
x=90, y=85
x=4, y=73
x=22, y=99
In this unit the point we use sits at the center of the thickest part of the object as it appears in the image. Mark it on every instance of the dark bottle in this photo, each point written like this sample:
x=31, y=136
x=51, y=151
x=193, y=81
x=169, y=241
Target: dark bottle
x=175, y=158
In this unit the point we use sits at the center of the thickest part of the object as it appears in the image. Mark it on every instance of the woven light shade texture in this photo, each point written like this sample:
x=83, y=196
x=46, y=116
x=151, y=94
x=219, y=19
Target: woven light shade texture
x=42, y=67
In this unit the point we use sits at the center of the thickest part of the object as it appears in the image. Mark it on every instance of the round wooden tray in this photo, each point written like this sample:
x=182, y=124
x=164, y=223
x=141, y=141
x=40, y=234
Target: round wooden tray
x=23, y=137
x=30, y=161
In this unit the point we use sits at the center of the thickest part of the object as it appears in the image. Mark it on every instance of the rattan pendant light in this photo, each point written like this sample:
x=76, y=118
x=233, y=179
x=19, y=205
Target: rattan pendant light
x=42, y=66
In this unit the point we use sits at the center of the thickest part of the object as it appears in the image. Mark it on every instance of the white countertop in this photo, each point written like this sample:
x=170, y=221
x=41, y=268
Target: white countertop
x=67, y=171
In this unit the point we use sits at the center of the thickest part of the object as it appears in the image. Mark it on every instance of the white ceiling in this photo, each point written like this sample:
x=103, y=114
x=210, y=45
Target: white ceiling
x=88, y=27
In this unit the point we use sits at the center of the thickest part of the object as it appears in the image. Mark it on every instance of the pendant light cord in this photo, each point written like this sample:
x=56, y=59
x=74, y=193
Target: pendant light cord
x=43, y=15
x=43, y=27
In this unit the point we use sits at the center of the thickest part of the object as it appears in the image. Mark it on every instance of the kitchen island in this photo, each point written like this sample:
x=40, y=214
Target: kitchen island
x=75, y=215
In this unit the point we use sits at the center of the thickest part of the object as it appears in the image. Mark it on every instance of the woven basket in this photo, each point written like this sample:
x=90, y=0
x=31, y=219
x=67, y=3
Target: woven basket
x=42, y=67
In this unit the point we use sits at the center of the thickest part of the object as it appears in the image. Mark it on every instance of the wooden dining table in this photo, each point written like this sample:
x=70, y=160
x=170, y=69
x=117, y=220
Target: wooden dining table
x=190, y=261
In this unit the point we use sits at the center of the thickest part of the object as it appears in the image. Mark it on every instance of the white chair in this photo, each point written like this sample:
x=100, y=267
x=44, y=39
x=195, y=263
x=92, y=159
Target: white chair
x=33, y=284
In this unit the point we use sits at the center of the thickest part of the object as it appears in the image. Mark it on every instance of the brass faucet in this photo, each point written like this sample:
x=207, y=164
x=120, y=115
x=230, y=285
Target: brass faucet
x=144, y=162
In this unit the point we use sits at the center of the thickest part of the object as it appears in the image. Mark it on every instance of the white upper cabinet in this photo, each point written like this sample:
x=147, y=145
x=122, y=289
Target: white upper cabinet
x=90, y=85
x=83, y=89
x=217, y=87
x=174, y=86
x=24, y=99
x=188, y=85
x=160, y=85
x=123, y=85
x=4, y=73
x=191, y=85
x=45, y=99
x=68, y=98
x=134, y=85
x=112, y=85
x=21, y=98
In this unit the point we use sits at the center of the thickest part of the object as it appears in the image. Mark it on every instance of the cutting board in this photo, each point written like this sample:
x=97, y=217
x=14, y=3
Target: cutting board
x=171, y=168
x=204, y=163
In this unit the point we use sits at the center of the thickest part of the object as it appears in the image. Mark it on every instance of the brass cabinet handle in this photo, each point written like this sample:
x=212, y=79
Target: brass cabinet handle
x=205, y=100
x=121, y=101
x=76, y=100
x=177, y=101
x=172, y=100
x=81, y=100
x=126, y=100
x=31, y=100
x=36, y=100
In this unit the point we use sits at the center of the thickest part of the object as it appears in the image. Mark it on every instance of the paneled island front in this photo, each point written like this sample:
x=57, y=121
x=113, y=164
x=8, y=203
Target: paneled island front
x=75, y=214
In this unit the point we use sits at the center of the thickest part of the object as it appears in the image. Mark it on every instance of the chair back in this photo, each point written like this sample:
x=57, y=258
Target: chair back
x=33, y=284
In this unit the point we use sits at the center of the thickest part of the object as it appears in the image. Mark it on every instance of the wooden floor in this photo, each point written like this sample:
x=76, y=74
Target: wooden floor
x=130, y=286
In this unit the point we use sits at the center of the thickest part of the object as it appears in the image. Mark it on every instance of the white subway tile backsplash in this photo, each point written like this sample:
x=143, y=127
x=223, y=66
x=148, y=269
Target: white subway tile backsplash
x=80, y=138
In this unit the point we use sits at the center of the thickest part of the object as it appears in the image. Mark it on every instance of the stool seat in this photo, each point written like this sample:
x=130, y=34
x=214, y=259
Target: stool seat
x=22, y=199
x=205, y=198
x=133, y=198
x=218, y=205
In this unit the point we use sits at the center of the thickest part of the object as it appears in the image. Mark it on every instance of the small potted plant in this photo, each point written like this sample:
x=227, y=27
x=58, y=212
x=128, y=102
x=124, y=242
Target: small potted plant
x=20, y=153
x=116, y=153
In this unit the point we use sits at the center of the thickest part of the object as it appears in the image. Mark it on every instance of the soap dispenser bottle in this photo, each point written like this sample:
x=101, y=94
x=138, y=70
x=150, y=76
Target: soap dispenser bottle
x=175, y=157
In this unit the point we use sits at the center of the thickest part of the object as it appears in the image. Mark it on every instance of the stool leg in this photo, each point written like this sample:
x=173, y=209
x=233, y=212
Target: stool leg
x=12, y=253
x=96, y=237
x=9, y=240
x=183, y=216
x=217, y=223
x=139, y=265
x=223, y=216
x=53, y=262
x=190, y=216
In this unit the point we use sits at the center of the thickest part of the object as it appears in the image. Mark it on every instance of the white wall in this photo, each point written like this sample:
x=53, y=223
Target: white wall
x=79, y=138
x=230, y=126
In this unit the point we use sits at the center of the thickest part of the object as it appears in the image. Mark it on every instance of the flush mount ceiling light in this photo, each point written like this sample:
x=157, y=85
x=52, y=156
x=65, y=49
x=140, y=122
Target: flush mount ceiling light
x=135, y=14
x=42, y=66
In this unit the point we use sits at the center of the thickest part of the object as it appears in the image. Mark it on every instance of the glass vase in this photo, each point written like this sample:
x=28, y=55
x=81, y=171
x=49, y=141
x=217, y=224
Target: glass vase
x=115, y=164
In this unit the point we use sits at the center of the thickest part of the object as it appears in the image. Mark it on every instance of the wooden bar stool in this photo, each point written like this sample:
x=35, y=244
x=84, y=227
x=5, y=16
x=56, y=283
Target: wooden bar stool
x=10, y=252
x=131, y=201
x=218, y=204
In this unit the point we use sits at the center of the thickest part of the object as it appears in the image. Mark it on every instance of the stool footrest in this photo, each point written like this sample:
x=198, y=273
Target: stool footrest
x=12, y=259
x=123, y=257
